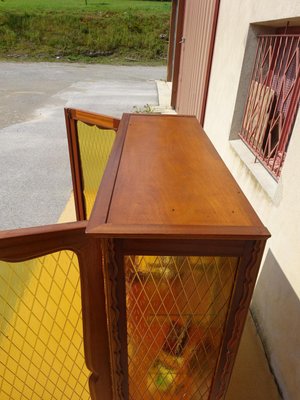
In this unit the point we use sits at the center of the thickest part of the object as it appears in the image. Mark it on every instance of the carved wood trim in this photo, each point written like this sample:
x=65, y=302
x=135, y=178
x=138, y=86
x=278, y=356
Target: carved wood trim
x=114, y=309
x=242, y=293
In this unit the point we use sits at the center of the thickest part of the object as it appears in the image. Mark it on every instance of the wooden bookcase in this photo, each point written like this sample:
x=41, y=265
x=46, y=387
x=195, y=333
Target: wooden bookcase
x=167, y=249
x=181, y=248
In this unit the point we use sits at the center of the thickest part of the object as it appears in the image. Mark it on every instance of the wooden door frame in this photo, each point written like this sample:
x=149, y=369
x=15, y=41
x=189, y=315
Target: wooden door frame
x=72, y=116
x=178, y=35
x=249, y=253
x=178, y=53
x=29, y=243
x=210, y=59
x=172, y=37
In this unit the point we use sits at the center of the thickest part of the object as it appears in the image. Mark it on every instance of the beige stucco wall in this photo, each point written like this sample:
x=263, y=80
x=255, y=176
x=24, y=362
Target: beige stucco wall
x=276, y=302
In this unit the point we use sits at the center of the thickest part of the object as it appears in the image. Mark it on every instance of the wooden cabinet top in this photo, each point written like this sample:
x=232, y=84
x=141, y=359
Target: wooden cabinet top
x=164, y=178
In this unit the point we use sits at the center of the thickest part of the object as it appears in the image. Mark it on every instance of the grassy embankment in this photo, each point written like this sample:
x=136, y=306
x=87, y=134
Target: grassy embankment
x=112, y=31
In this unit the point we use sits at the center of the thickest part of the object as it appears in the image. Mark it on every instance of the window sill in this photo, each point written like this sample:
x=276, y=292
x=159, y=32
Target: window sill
x=261, y=175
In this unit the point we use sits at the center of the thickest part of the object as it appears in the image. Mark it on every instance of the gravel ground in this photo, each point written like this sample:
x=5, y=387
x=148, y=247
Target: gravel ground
x=35, y=181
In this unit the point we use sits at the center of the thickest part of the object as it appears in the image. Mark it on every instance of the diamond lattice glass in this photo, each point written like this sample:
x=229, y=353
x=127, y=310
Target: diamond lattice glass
x=95, y=146
x=41, y=346
x=176, y=310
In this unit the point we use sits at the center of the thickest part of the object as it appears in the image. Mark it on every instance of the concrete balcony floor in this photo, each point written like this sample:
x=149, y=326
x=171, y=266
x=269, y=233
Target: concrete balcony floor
x=251, y=378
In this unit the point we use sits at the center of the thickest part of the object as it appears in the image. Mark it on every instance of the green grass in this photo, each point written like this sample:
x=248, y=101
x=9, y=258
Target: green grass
x=108, y=31
x=79, y=5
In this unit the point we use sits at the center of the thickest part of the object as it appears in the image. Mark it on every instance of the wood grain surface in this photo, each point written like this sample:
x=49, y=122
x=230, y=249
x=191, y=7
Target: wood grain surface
x=169, y=178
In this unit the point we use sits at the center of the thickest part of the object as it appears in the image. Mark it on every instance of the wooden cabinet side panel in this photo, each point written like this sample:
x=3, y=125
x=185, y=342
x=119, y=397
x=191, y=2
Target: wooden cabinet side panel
x=245, y=278
x=241, y=298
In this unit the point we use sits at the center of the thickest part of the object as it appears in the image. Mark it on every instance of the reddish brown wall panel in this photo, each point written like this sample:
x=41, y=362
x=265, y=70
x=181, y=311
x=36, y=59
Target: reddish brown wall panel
x=179, y=21
x=196, y=55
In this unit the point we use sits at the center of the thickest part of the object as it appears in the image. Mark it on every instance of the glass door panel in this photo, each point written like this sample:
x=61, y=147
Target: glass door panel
x=176, y=311
x=41, y=339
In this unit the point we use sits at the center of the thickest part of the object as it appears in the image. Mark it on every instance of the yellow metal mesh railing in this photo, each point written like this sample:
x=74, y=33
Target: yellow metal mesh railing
x=95, y=146
x=41, y=345
x=176, y=310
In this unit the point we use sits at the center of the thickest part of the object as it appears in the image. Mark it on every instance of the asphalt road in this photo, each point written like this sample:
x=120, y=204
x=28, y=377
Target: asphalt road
x=35, y=181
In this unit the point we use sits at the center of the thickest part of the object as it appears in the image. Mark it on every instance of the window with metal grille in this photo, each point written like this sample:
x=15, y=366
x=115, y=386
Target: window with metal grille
x=273, y=99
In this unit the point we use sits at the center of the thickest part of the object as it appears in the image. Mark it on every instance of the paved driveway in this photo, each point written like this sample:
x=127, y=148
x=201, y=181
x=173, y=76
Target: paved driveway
x=35, y=181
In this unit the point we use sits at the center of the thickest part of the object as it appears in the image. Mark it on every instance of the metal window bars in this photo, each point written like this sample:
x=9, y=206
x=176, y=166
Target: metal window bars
x=273, y=100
